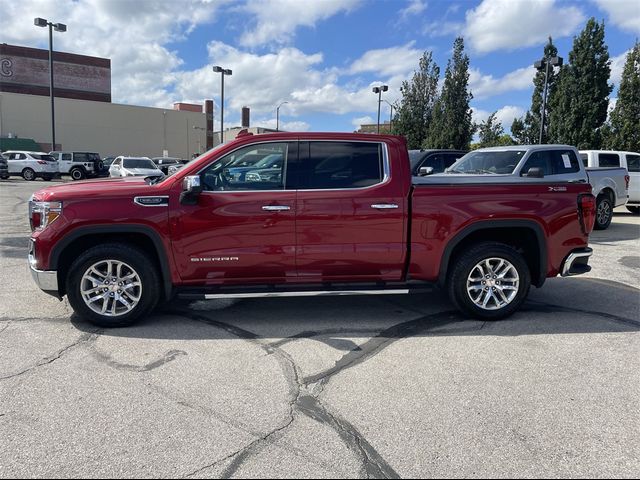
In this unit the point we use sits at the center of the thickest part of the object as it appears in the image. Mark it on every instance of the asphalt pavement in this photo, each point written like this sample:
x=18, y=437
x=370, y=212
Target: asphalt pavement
x=382, y=387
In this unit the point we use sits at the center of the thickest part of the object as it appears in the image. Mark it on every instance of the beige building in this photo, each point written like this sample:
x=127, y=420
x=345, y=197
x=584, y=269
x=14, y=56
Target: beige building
x=107, y=128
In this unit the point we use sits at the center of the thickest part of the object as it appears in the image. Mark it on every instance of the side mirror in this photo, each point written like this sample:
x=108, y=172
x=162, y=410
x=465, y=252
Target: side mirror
x=535, y=172
x=191, y=188
x=424, y=171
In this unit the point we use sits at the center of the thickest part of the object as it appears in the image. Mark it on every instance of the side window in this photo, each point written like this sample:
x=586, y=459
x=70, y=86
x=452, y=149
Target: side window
x=451, y=158
x=66, y=157
x=118, y=162
x=633, y=163
x=80, y=157
x=21, y=156
x=337, y=165
x=608, y=160
x=585, y=159
x=538, y=160
x=435, y=161
x=564, y=161
x=255, y=167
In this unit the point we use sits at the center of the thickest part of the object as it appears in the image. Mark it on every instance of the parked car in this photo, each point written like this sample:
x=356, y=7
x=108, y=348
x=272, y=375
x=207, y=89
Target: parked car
x=628, y=160
x=78, y=165
x=346, y=217
x=106, y=164
x=268, y=165
x=4, y=167
x=163, y=163
x=549, y=161
x=437, y=160
x=31, y=165
x=134, y=167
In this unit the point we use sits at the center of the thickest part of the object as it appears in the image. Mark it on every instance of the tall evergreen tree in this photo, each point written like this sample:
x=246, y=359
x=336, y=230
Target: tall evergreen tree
x=529, y=132
x=625, y=117
x=490, y=131
x=414, y=110
x=578, y=106
x=452, y=126
x=518, y=131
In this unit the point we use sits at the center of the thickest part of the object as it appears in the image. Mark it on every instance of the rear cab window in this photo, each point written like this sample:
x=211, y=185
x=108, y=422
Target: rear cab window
x=633, y=163
x=608, y=160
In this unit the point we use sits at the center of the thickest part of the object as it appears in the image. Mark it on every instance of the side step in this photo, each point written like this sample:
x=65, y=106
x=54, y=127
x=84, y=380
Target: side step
x=300, y=291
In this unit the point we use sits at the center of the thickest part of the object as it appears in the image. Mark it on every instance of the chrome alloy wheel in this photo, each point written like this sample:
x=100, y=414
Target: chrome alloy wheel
x=111, y=288
x=604, y=212
x=493, y=283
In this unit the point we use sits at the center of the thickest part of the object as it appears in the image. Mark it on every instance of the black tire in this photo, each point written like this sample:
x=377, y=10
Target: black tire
x=634, y=210
x=465, y=264
x=604, y=212
x=140, y=263
x=6, y=177
x=77, y=173
x=28, y=174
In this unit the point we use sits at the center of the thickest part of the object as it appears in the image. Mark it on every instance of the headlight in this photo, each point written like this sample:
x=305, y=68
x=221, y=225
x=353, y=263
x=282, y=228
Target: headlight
x=252, y=177
x=42, y=214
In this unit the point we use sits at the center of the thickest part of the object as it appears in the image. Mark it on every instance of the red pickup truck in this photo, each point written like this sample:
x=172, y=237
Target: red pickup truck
x=292, y=214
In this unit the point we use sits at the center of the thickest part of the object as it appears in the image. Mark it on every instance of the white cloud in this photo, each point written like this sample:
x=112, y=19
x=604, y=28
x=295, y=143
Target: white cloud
x=504, y=115
x=388, y=61
x=442, y=28
x=415, y=7
x=484, y=86
x=622, y=13
x=511, y=24
x=617, y=66
x=276, y=21
x=359, y=121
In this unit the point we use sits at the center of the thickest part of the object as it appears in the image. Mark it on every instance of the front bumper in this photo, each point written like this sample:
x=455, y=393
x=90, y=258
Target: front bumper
x=47, y=280
x=577, y=262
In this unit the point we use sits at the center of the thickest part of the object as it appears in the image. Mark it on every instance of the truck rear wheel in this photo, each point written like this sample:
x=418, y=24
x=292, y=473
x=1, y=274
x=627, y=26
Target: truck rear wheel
x=28, y=174
x=604, y=212
x=113, y=285
x=489, y=281
x=77, y=173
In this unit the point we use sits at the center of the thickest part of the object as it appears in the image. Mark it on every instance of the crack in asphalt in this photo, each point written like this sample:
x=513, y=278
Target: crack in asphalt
x=166, y=358
x=551, y=308
x=6, y=326
x=372, y=463
x=84, y=338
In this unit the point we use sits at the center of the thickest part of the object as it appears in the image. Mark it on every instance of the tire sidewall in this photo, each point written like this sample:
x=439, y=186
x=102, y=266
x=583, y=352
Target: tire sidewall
x=467, y=261
x=77, y=174
x=137, y=259
x=603, y=226
x=29, y=174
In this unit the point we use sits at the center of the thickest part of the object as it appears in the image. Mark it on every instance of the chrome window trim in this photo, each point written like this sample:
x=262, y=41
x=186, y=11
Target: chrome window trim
x=386, y=169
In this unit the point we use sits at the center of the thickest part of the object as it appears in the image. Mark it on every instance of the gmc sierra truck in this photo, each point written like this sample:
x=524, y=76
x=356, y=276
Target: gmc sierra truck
x=341, y=214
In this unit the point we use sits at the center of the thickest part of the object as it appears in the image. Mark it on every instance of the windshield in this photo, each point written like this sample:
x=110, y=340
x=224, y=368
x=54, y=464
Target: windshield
x=269, y=161
x=139, y=163
x=496, y=162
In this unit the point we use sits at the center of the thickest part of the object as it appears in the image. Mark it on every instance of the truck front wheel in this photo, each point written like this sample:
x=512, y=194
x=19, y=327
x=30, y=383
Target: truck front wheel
x=113, y=285
x=489, y=281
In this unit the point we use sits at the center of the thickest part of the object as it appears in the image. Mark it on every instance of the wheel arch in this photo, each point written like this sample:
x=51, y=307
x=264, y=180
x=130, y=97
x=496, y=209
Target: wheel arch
x=527, y=235
x=142, y=236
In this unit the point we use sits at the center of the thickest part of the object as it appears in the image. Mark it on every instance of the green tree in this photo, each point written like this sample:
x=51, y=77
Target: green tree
x=624, y=126
x=528, y=128
x=579, y=103
x=490, y=131
x=518, y=131
x=414, y=110
x=451, y=126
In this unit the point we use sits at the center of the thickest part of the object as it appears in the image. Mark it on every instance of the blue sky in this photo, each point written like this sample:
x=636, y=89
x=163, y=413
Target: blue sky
x=321, y=56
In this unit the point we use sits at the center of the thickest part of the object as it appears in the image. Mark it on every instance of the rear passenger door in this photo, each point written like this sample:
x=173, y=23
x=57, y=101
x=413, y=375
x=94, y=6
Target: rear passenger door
x=350, y=215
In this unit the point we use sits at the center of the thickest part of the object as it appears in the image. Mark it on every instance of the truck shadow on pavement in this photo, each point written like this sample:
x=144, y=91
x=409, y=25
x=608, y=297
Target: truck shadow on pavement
x=617, y=232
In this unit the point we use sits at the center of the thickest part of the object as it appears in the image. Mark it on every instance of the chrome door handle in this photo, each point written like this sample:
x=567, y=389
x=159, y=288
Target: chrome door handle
x=384, y=206
x=276, y=208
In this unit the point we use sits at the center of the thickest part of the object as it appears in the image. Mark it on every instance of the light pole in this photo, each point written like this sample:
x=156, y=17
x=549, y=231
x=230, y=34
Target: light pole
x=278, y=116
x=379, y=90
x=223, y=72
x=390, y=115
x=541, y=65
x=58, y=27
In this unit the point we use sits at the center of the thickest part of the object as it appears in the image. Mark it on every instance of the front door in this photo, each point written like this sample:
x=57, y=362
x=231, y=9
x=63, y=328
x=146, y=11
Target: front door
x=243, y=228
x=351, y=216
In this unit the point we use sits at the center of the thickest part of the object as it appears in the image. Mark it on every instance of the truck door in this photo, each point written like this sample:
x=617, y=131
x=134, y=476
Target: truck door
x=243, y=227
x=350, y=215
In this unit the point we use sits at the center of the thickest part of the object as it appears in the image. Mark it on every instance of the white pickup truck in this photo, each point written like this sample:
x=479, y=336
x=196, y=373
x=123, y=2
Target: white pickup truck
x=616, y=159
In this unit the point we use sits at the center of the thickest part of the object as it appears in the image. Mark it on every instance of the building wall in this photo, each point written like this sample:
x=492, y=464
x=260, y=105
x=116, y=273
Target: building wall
x=106, y=128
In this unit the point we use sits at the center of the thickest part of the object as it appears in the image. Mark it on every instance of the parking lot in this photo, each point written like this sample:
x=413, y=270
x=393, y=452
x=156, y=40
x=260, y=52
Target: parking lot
x=377, y=387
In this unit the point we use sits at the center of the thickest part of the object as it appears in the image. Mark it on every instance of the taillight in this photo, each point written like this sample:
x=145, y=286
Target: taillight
x=587, y=212
x=627, y=178
x=42, y=162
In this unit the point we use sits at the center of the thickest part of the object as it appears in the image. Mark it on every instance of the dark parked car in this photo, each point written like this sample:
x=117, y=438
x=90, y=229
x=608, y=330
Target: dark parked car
x=164, y=163
x=4, y=167
x=436, y=159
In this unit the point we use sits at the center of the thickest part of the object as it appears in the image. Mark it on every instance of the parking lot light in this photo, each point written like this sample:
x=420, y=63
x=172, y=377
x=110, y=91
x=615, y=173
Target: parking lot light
x=223, y=72
x=379, y=90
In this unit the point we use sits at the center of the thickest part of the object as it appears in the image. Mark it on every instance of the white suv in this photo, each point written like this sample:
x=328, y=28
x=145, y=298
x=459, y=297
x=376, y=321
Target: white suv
x=32, y=165
x=134, y=167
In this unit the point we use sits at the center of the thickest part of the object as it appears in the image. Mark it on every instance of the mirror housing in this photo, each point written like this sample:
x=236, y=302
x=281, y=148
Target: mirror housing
x=535, y=172
x=191, y=188
x=424, y=171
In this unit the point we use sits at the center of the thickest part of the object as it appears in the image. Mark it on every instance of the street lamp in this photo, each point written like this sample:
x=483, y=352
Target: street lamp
x=223, y=72
x=278, y=116
x=58, y=27
x=390, y=115
x=379, y=90
x=541, y=65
